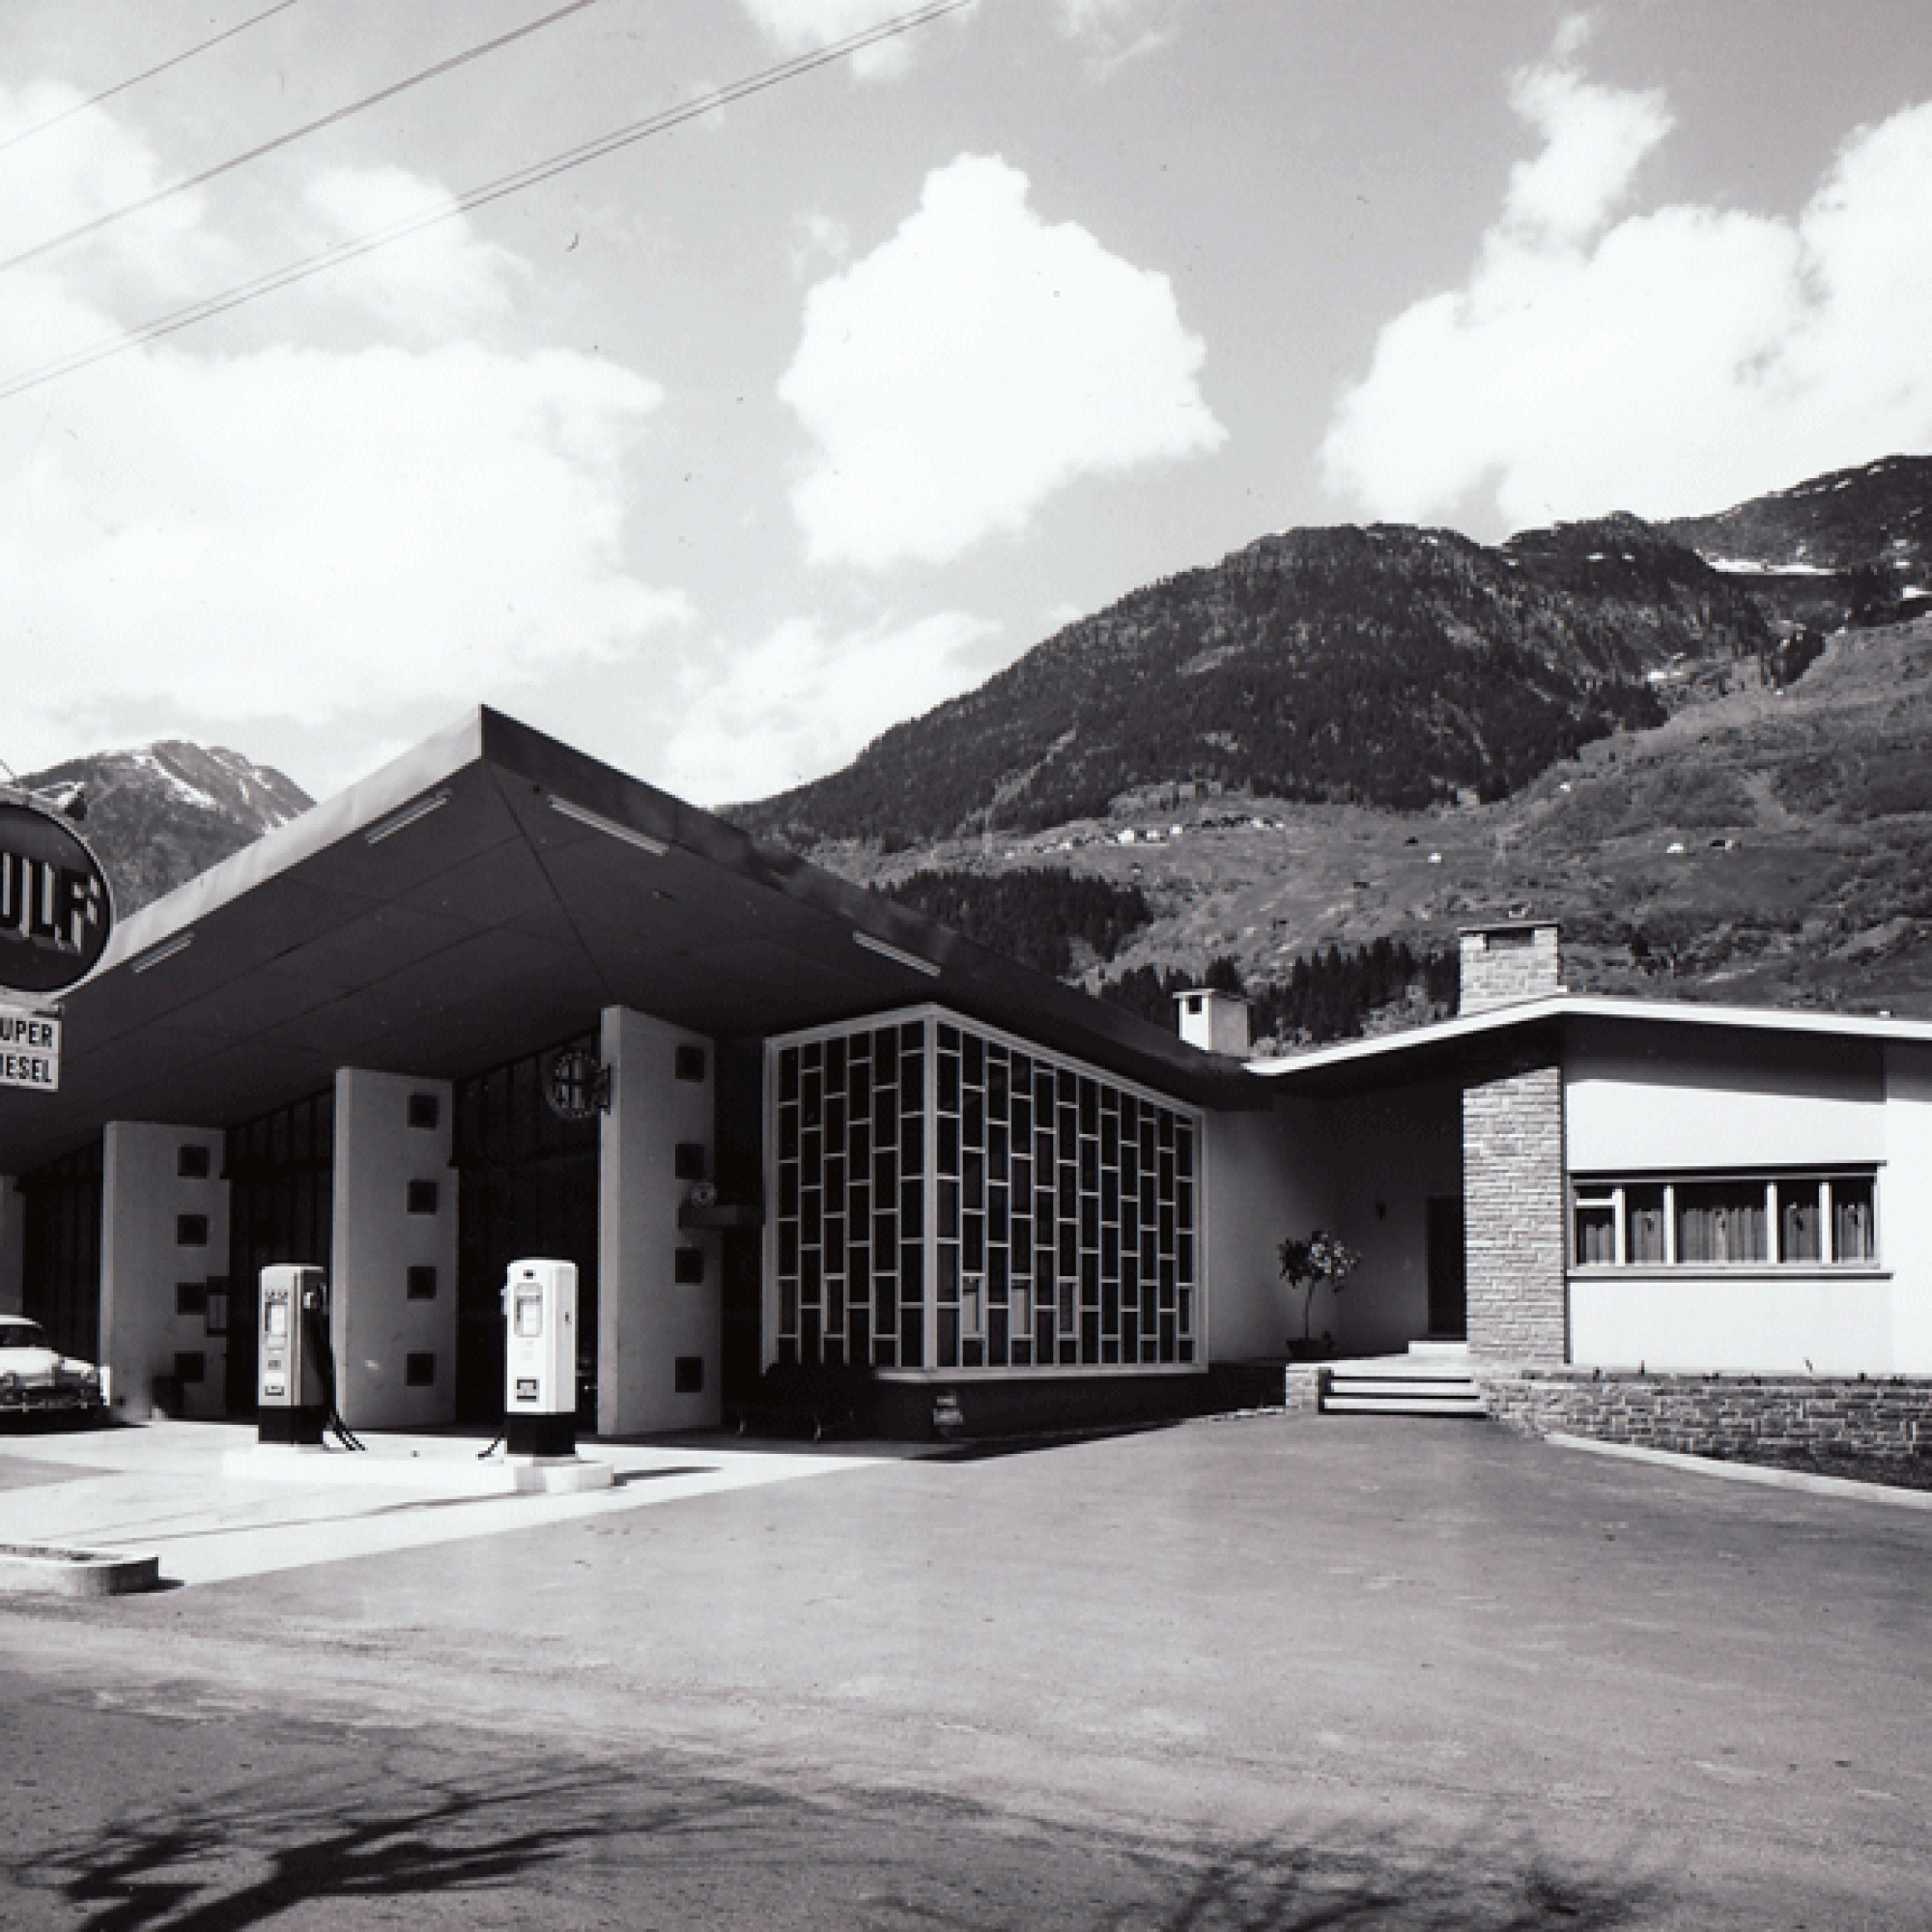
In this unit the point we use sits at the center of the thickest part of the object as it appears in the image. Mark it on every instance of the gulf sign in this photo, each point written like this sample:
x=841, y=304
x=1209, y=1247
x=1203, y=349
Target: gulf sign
x=55, y=908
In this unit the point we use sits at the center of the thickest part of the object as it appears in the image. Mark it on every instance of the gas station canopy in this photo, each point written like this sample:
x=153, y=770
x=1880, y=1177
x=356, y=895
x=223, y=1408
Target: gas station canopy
x=488, y=895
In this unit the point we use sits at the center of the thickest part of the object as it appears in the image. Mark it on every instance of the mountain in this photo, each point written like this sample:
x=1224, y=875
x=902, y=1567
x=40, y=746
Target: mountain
x=1391, y=667
x=1856, y=544
x=1699, y=745
x=161, y=814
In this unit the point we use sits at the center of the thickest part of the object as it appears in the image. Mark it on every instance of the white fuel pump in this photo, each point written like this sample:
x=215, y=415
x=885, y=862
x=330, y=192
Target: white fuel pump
x=291, y=1389
x=540, y=1358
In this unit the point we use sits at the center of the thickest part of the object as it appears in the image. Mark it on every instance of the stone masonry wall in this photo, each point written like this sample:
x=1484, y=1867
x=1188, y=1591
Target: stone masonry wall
x=1706, y=1414
x=1513, y=1194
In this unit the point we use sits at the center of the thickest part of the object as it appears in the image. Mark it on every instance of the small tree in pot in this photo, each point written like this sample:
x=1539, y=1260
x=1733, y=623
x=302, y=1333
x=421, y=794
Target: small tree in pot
x=1306, y=1265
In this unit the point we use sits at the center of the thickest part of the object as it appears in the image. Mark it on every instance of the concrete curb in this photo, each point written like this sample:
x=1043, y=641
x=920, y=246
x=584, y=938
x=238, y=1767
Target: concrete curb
x=58, y=1572
x=1751, y=1472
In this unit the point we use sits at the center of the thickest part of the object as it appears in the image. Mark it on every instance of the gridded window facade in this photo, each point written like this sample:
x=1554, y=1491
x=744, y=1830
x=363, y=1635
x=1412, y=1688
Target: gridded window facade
x=952, y=1199
x=1696, y=1221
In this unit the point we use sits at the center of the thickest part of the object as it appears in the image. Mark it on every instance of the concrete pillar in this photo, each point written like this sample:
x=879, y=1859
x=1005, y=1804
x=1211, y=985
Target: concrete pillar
x=163, y=1234
x=1514, y=1209
x=393, y=1268
x=659, y=1286
x=13, y=1247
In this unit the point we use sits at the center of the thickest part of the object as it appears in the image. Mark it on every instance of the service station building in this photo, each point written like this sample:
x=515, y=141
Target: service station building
x=501, y=1001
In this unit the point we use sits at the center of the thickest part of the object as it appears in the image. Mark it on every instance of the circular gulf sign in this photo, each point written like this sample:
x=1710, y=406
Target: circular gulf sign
x=55, y=909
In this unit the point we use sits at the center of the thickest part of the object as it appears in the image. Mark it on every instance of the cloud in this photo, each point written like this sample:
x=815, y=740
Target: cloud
x=802, y=703
x=1665, y=361
x=197, y=535
x=975, y=365
x=442, y=278
x=1120, y=31
x=801, y=26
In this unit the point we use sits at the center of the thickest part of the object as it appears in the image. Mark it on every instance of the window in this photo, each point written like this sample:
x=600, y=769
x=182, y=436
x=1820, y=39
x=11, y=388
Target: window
x=1722, y=1221
x=421, y=1197
x=191, y=1231
x=192, y=1163
x=425, y=1110
x=420, y=1283
x=420, y=1371
x=951, y=1198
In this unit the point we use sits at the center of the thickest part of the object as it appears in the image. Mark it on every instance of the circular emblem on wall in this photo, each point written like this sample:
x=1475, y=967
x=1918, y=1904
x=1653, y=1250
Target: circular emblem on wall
x=56, y=911
x=578, y=1086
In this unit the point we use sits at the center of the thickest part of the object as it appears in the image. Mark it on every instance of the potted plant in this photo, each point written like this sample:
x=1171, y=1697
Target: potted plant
x=1320, y=1260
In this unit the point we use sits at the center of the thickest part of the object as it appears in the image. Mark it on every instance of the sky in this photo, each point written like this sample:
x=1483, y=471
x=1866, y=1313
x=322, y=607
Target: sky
x=721, y=452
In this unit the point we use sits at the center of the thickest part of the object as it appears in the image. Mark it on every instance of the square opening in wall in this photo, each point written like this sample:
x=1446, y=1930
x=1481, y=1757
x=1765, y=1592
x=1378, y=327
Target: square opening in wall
x=193, y=1163
x=422, y=1197
x=687, y=1268
x=425, y=1110
x=689, y=1063
x=191, y=1367
x=191, y=1297
x=191, y=1231
x=422, y=1284
x=420, y=1371
x=688, y=1375
x=688, y=1162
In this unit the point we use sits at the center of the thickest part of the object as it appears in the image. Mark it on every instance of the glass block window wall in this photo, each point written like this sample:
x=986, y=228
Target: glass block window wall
x=951, y=1198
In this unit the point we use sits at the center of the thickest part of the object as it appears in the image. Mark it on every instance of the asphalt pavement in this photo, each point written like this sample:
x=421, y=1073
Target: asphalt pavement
x=1266, y=1671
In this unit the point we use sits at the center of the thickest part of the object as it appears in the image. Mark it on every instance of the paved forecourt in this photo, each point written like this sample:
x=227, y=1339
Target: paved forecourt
x=1227, y=1672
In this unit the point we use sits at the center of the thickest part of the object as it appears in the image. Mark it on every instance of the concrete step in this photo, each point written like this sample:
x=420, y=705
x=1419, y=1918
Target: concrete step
x=1342, y=1383
x=1406, y=1404
x=1437, y=1391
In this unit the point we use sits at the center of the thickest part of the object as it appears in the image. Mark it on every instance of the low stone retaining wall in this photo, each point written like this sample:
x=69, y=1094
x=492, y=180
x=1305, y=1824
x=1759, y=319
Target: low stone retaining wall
x=1709, y=1413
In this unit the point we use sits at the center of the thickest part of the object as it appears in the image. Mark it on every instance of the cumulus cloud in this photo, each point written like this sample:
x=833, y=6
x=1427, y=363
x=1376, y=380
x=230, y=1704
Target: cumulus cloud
x=1120, y=31
x=198, y=535
x=799, y=26
x=802, y=702
x=446, y=277
x=975, y=365
x=1664, y=361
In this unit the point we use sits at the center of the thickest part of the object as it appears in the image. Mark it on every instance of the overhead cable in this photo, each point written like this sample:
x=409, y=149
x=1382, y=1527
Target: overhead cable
x=506, y=185
x=147, y=73
x=294, y=135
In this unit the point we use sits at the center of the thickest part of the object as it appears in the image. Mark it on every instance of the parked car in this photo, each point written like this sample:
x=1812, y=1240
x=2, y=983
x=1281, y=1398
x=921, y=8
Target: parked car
x=37, y=1380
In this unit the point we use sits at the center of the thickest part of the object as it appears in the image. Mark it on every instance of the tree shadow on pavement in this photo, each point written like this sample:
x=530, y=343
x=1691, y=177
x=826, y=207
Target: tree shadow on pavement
x=550, y=1838
x=1395, y=1885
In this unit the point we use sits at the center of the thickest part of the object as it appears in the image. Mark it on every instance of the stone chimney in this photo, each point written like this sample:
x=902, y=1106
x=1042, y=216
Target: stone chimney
x=1214, y=1021
x=1504, y=964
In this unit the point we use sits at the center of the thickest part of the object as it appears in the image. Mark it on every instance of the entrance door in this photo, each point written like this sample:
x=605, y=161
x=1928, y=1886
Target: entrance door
x=1448, y=1277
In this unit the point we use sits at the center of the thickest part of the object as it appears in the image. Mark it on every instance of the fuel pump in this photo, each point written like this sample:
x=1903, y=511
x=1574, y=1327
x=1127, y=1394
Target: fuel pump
x=540, y=1360
x=295, y=1388
x=290, y=1392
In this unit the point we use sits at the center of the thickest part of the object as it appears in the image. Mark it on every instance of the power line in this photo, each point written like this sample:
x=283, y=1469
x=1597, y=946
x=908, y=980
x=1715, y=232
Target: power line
x=147, y=73
x=294, y=134
x=506, y=185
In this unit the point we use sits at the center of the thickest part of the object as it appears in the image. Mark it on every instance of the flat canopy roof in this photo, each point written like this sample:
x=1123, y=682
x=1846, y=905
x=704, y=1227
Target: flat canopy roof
x=1472, y=1045
x=485, y=896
